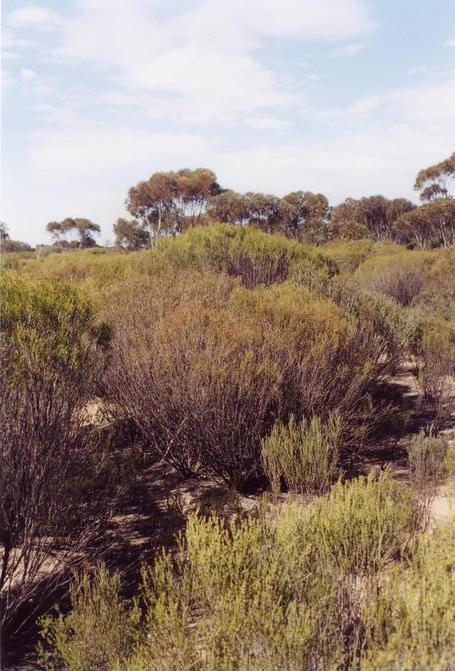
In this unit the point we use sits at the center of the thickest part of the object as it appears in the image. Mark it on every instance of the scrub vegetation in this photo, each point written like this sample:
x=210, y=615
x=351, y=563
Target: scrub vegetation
x=268, y=384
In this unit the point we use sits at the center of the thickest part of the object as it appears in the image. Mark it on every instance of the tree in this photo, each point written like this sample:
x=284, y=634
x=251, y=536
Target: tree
x=83, y=227
x=7, y=245
x=368, y=217
x=430, y=225
x=10, y=246
x=267, y=212
x=264, y=211
x=130, y=234
x=432, y=181
x=170, y=201
x=228, y=207
x=308, y=217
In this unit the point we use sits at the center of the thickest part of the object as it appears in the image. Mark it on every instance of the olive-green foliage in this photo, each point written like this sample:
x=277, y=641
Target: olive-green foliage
x=390, y=330
x=351, y=254
x=410, y=616
x=98, y=632
x=437, y=296
x=424, y=280
x=255, y=256
x=400, y=275
x=362, y=525
x=435, y=350
x=289, y=590
x=305, y=455
x=427, y=456
x=50, y=324
x=95, y=269
x=248, y=253
x=207, y=366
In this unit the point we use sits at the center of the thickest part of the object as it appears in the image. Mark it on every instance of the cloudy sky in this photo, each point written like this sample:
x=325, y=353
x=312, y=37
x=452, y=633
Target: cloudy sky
x=346, y=97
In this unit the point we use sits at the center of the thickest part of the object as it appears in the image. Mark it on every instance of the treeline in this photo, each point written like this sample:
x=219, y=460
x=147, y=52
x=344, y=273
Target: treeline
x=170, y=202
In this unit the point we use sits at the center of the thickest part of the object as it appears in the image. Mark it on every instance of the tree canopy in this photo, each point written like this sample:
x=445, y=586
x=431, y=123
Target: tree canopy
x=368, y=217
x=431, y=225
x=130, y=234
x=168, y=202
x=84, y=229
x=432, y=181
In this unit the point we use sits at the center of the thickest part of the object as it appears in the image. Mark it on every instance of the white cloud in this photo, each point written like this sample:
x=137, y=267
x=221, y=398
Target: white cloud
x=27, y=74
x=90, y=150
x=427, y=104
x=417, y=70
x=34, y=16
x=430, y=104
x=350, y=49
x=449, y=43
x=204, y=61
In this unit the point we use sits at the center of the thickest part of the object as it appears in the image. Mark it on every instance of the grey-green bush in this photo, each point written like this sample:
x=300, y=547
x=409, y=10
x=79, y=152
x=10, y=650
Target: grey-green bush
x=305, y=455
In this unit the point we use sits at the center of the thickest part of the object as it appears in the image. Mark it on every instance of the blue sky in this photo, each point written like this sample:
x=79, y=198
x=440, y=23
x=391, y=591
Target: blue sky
x=343, y=97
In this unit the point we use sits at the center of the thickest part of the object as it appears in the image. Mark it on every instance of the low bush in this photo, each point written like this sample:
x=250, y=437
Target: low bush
x=98, y=633
x=427, y=461
x=305, y=455
x=429, y=466
x=289, y=591
x=410, y=616
x=363, y=525
x=435, y=351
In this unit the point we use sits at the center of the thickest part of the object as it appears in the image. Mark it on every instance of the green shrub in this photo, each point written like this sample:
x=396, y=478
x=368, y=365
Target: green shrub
x=400, y=276
x=410, y=616
x=362, y=525
x=207, y=367
x=351, y=254
x=243, y=251
x=52, y=325
x=429, y=462
x=98, y=632
x=305, y=455
x=435, y=351
x=308, y=588
x=427, y=457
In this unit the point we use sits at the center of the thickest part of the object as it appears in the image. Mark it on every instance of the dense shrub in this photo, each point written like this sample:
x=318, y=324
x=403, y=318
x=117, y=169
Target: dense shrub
x=98, y=632
x=208, y=367
x=410, y=617
x=361, y=526
x=400, y=276
x=437, y=297
x=255, y=256
x=427, y=461
x=351, y=254
x=304, y=455
x=51, y=348
x=435, y=350
x=293, y=591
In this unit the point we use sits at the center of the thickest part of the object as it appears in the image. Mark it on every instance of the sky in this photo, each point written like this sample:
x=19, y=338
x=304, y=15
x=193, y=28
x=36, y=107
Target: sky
x=343, y=97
